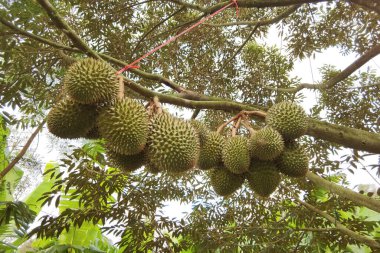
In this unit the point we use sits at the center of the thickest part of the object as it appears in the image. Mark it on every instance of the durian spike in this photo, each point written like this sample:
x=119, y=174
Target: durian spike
x=236, y=126
x=120, y=95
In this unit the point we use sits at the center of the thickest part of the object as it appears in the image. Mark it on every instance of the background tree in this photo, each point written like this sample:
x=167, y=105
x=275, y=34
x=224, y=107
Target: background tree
x=219, y=68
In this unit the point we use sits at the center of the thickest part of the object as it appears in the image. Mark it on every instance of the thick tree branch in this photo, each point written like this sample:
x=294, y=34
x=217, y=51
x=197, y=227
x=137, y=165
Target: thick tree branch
x=352, y=137
x=274, y=20
x=64, y=27
x=22, y=152
x=247, y=4
x=358, y=63
x=343, y=229
x=355, y=197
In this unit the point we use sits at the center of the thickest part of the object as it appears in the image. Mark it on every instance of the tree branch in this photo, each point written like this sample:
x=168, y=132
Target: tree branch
x=343, y=229
x=358, y=63
x=276, y=19
x=262, y=4
x=22, y=152
x=360, y=199
x=61, y=24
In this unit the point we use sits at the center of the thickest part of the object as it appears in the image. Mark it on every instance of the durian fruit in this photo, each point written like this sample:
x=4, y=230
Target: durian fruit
x=287, y=118
x=173, y=144
x=124, y=125
x=211, y=151
x=224, y=182
x=294, y=161
x=70, y=120
x=91, y=81
x=126, y=163
x=263, y=177
x=235, y=154
x=266, y=144
x=201, y=129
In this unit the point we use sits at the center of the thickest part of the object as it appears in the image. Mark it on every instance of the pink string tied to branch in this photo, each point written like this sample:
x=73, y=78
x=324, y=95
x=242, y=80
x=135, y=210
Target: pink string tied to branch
x=133, y=64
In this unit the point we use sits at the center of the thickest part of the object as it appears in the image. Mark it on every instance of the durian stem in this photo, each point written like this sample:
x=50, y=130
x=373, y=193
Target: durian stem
x=255, y=113
x=222, y=126
x=157, y=105
x=236, y=126
x=248, y=126
x=120, y=95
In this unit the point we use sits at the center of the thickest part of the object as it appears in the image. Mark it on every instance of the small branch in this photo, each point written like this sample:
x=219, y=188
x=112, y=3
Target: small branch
x=358, y=63
x=355, y=197
x=343, y=229
x=195, y=113
x=22, y=152
x=236, y=126
x=154, y=27
x=248, y=126
x=274, y=20
x=240, y=48
x=61, y=24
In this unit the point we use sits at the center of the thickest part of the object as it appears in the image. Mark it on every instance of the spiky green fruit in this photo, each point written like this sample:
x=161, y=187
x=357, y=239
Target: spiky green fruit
x=266, y=144
x=288, y=118
x=201, y=129
x=124, y=125
x=235, y=154
x=294, y=161
x=224, y=182
x=91, y=81
x=211, y=151
x=263, y=177
x=126, y=163
x=70, y=120
x=173, y=144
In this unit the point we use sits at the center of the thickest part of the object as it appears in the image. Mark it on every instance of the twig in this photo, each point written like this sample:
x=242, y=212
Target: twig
x=236, y=126
x=22, y=152
x=195, y=113
x=363, y=59
x=343, y=229
x=61, y=24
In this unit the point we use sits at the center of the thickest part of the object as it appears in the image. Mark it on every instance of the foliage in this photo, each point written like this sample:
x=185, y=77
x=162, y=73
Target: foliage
x=221, y=61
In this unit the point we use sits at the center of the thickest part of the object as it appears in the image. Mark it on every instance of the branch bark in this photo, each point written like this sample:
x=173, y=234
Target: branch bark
x=22, y=152
x=276, y=19
x=64, y=27
x=358, y=63
x=343, y=229
x=360, y=199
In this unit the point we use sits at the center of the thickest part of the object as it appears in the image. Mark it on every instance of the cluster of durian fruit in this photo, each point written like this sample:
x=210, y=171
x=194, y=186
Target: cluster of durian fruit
x=137, y=136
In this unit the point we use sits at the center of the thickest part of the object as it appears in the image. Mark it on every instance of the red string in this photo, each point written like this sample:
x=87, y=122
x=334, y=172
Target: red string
x=133, y=64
